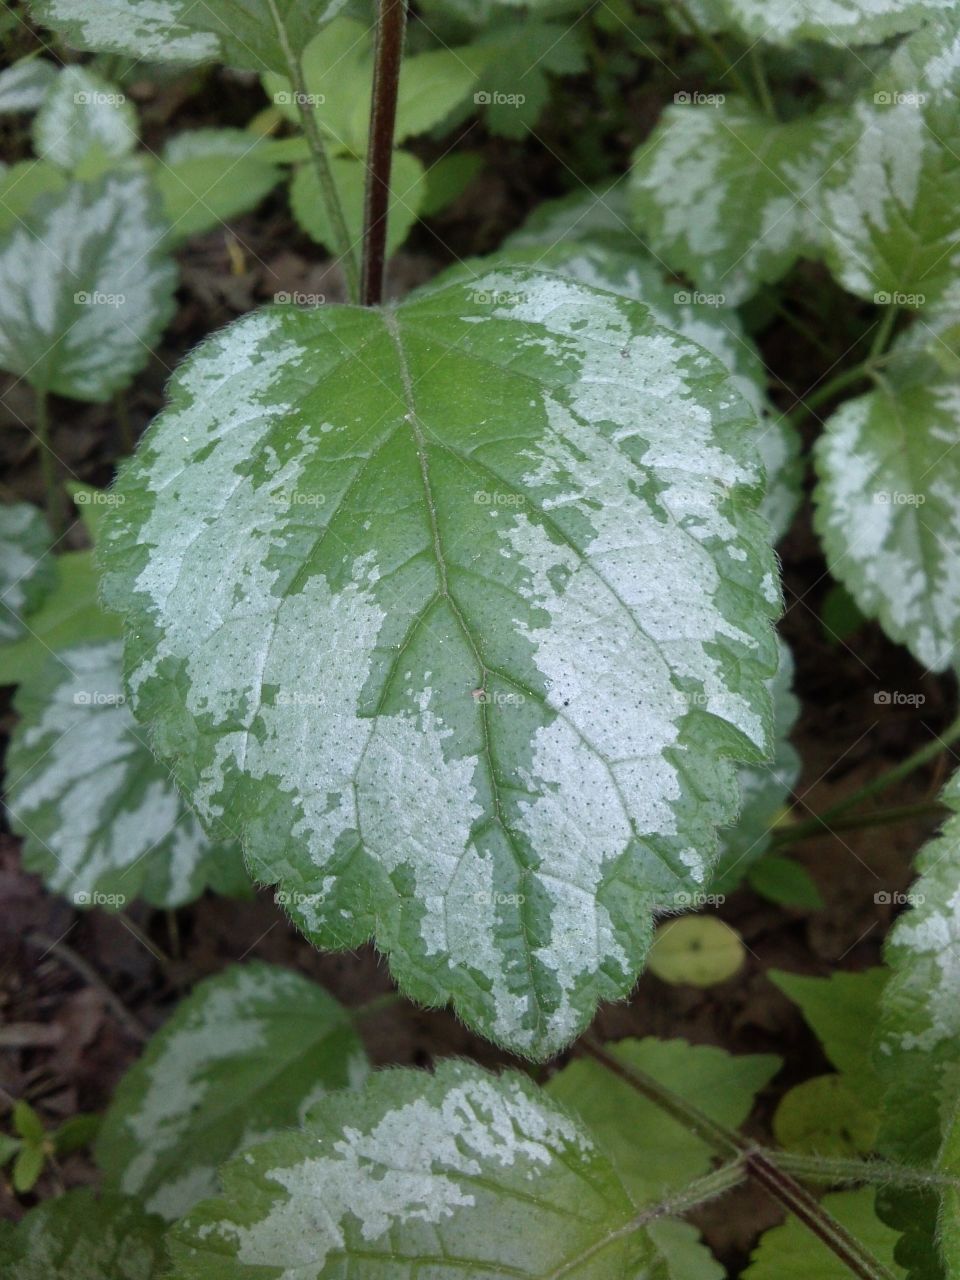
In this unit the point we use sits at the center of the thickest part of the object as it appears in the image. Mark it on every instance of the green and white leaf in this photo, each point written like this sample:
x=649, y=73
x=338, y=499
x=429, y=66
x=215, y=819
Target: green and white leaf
x=731, y=199
x=653, y=1153
x=793, y=1252
x=69, y=614
x=207, y=176
x=84, y=118
x=24, y=85
x=886, y=508
x=835, y=22
x=616, y=260
x=101, y=819
x=78, y=1237
x=396, y=610
x=84, y=288
x=338, y=72
x=242, y=1058
x=765, y=788
x=407, y=189
x=253, y=35
x=27, y=567
x=495, y=1179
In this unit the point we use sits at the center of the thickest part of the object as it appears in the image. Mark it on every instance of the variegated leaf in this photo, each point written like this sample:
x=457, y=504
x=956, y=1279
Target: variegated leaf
x=730, y=198
x=459, y=1174
x=27, y=567
x=396, y=610
x=887, y=513
x=243, y=1057
x=101, y=819
x=84, y=287
x=24, y=85
x=835, y=22
x=257, y=35
x=84, y=118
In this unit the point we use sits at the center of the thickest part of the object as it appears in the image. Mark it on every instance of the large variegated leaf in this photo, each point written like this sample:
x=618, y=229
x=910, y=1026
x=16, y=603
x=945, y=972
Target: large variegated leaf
x=459, y=1174
x=242, y=1058
x=27, y=567
x=84, y=287
x=887, y=510
x=24, y=85
x=394, y=587
x=728, y=197
x=79, y=1237
x=84, y=119
x=617, y=261
x=101, y=819
x=835, y=22
x=257, y=35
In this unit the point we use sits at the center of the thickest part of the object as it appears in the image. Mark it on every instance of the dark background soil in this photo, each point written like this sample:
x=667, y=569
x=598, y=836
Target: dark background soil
x=79, y=991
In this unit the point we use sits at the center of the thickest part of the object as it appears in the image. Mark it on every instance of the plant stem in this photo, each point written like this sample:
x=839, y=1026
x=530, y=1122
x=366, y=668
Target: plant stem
x=882, y=335
x=760, y=79
x=816, y=826
x=859, y=372
x=758, y=1164
x=724, y=65
x=328, y=188
x=820, y=822
x=833, y=1171
x=48, y=464
x=391, y=28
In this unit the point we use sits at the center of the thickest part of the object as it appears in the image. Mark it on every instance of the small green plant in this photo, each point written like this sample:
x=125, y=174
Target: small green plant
x=452, y=619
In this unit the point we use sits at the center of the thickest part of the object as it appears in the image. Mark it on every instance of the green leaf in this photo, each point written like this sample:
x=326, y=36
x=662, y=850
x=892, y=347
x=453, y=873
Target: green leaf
x=730, y=198
x=447, y=179
x=653, y=1153
x=76, y=1133
x=349, y=176
x=827, y=1115
x=84, y=116
x=842, y=1011
x=24, y=85
x=70, y=614
x=21, y=185
x=395, y=606
x=513, y=64
x=793, y=1252
x=8, y=1149
x=697, y=950
x=76, y=1237
x=251, y=34
x=27, y=1167
x=885, y=505
x=26, y=1122
x=244, y=1056
x=495, y=1179
x=834, y=22
x=207, y=176
x=84, y=289
x=27, y=568
x=101, y=819
x=784, y=881
x=338, y=72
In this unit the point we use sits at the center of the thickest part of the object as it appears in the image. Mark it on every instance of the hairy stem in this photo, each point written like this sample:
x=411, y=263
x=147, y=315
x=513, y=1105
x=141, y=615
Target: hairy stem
x=810, y=828
x=759, y=1165
x=391, y=28
x=342, y=246
x=725, y=67
x=53, y=496
x=760, y=79
x=833, y=1171
x=822, y=822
